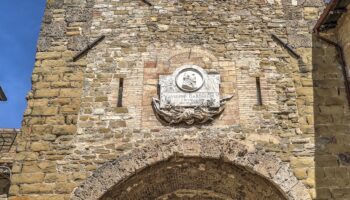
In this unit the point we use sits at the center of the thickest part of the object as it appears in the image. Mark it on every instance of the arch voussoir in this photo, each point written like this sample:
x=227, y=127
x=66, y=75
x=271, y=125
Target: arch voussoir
x=266, y=165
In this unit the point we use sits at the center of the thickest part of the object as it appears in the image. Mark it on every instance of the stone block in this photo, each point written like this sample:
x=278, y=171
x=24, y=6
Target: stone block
x=47, y=166
x=55, y=178
x=310, y=13
x=37, y=188
x=302, y=162
x=341, y=193
x=16, y=168
x=14, y=189
x=80, y=176
x=305, y=91
x=26, y=156
x=42, y=93
x=77, y=42
x=60, y=84
x=55, y=120
x=53, y=63
x=121, y=110
x=44, y=111
x=30, y=168
x=150, y=64
x=40, y=146
x=55, y=29
x=64, y=188
x=326, y=161
x=300, y=173
x=323, y=193
x=70, y=92
x=310, y=182
x=41, y=129
x=44, y=43
x=64, y=130
x=78, y=14
x=69, y=109
x=48, y=55
x=117, y=124
x=55, y=4
x=101, y=99
x=53, y=77
x=28, y=178
x=77, y=76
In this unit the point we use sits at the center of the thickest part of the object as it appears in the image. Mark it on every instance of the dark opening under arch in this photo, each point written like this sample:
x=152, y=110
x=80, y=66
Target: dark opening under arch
x=194, y=178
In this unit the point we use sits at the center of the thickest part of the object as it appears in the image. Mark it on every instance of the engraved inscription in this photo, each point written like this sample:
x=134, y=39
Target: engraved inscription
x=189, y=99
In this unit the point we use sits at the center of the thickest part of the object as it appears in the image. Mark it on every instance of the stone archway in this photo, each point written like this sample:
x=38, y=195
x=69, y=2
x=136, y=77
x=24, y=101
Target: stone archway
x=260, y=172
x=194, y=178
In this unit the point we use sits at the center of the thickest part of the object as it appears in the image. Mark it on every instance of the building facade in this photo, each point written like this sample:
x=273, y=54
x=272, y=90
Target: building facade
x=91, y=130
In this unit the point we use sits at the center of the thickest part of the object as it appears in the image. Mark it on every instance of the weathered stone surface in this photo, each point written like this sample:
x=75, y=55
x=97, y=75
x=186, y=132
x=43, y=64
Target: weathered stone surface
x=40, y=146
x=64, y=130
x=122, y=168
x=73, y=127
x=70, y=93
x=27, y=178
x=45, y=111
x=53, y=63
x=38, y=188
x=54, y=29
x=46, y=93
x=56, y=4
x=77, y=43
x=64, y=188
x=48, y=55
x=76, y=14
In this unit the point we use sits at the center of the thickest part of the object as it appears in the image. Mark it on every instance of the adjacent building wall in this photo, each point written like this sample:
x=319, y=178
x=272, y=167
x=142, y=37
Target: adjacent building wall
x=343, y=38
x=332, y=114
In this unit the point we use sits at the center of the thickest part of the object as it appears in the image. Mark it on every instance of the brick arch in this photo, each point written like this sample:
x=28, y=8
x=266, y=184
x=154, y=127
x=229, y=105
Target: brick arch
x=263, y=164
x=195, y=55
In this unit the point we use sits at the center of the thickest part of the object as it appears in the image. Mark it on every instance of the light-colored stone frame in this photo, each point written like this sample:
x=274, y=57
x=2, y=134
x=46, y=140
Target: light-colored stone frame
x=264, y=164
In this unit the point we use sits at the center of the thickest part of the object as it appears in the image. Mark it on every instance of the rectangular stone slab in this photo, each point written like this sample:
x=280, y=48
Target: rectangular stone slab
x=207, y=95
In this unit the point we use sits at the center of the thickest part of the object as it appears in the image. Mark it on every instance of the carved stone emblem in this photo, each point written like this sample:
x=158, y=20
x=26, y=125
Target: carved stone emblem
x=190, y=96
x=189, y=80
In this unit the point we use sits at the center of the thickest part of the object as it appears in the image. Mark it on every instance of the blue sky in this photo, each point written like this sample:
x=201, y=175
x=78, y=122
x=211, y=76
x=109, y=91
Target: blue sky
x=20, y=22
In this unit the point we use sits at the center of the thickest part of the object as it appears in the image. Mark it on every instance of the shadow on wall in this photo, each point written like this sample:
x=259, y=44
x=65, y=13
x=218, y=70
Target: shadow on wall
x=4, y=187
x=332, y=124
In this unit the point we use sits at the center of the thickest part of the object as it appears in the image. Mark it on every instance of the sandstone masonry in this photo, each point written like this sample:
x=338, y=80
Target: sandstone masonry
x=77, y=143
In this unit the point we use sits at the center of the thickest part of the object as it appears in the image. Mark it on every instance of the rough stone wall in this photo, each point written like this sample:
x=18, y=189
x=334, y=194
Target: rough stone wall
x=50, y=119
x=234, y=153
x=343, y=28
x=332, y=115
x=234, y=40
x=72, y=124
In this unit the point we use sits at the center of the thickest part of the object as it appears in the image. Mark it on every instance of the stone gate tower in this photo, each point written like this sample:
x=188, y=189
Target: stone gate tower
x=177, y=99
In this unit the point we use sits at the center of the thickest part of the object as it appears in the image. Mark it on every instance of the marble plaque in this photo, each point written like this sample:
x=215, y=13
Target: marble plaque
x=190, y=86
x=189, y=96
